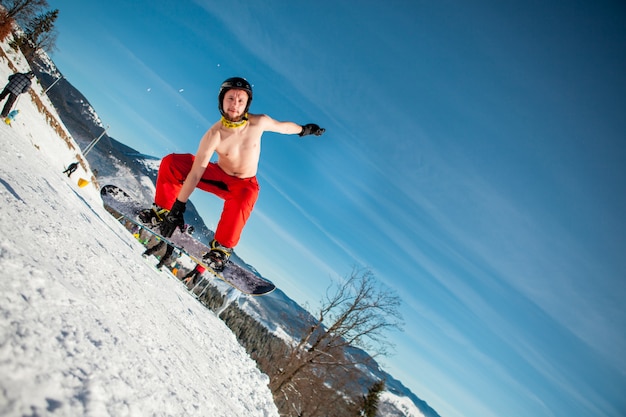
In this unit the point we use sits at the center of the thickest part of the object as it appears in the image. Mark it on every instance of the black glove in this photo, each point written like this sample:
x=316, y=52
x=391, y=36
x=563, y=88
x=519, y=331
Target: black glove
x=173, y=219
x=311, y=129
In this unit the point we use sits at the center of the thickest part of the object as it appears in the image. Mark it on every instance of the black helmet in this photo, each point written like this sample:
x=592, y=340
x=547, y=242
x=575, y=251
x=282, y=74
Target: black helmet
x=234, y=83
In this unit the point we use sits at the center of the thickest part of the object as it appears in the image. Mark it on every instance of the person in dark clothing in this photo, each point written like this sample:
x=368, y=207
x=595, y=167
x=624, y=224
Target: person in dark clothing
x=71, y=168
x=18, y=83
x=158, y=247
x=194, y=274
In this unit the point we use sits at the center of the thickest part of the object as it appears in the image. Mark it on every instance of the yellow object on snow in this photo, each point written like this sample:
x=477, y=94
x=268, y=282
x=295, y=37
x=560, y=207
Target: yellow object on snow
x=82, y=182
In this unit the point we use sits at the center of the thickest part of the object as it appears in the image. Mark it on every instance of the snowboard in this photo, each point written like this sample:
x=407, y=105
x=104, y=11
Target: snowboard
x=238, y=277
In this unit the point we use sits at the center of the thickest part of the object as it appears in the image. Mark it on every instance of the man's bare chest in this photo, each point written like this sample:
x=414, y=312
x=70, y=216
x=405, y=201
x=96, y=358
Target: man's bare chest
x=238, y=144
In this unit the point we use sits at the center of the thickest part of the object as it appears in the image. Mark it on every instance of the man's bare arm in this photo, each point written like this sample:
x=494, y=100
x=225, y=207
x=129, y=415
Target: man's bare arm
x=271, y=125
x=207, y=146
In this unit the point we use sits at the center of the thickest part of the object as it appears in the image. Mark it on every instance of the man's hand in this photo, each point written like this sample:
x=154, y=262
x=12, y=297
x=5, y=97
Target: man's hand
x=173, y=219
x=311, y=129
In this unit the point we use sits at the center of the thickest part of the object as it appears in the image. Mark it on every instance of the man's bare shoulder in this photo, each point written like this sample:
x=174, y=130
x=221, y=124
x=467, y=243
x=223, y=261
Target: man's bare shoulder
x=213, y=133
x=258, y=119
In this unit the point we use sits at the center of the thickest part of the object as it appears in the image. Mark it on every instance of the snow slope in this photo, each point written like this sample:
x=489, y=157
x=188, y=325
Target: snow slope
x=88, y=327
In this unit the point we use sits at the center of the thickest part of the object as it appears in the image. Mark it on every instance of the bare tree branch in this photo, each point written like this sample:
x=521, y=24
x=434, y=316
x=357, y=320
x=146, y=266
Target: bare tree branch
x=356, y=313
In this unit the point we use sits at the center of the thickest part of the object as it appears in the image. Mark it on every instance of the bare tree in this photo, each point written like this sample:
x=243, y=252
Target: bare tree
x=6, y=24
x=317, y=392
x=357, y=313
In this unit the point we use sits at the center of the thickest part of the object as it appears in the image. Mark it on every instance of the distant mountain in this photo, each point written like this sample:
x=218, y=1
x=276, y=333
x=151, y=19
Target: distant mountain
x=121, y=165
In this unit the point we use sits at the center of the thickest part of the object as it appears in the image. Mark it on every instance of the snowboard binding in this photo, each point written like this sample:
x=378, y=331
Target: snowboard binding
x=152, y=216
x=218, y=257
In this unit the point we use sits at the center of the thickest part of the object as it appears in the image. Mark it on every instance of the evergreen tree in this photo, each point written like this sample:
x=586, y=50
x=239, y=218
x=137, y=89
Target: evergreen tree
x=22, y=10
x=370, y=401
x=40, y=31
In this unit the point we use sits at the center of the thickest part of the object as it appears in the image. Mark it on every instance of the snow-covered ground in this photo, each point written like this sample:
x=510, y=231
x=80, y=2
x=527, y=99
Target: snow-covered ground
x=87, y=326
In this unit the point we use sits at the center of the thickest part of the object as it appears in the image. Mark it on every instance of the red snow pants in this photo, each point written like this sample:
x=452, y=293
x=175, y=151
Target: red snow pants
x=239, y=194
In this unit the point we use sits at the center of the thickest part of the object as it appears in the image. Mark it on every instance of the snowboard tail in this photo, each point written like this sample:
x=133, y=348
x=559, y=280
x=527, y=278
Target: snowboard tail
x=240, y=278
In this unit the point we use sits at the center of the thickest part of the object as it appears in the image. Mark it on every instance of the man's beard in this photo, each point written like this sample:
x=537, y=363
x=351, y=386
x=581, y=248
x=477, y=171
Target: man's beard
x=239, y=118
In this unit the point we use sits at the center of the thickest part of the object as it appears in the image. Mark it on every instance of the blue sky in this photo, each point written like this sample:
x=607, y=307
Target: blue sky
x=474, y=159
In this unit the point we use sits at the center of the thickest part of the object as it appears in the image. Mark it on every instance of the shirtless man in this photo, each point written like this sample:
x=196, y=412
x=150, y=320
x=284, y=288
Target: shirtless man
x=236, y=139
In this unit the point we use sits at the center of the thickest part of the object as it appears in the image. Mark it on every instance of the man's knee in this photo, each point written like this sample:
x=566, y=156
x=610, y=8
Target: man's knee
x=248, y=196
x=176, y=166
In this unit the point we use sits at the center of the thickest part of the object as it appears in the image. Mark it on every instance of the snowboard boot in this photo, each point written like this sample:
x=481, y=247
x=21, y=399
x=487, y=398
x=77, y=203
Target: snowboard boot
x=218, y=257
x=152, y=216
